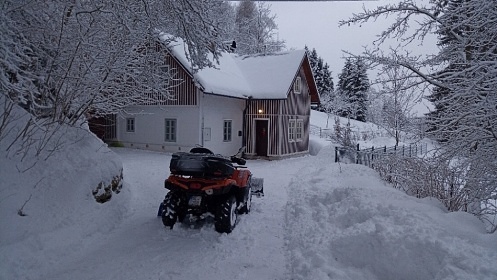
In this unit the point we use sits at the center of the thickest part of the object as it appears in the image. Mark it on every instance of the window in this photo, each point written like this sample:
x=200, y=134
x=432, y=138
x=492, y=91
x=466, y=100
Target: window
x=227, y=131
x=299, y=131
x=291, y=130
x=130, y=125
x=165, y=75
x=295, y=130
x=170, y=130
x=297, y=86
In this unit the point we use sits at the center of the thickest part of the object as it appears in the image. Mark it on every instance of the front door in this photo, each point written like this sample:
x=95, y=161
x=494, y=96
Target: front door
x=261, y=137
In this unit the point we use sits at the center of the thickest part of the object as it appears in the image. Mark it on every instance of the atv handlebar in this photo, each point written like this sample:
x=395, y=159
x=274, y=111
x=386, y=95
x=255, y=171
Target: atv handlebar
x=238, y=160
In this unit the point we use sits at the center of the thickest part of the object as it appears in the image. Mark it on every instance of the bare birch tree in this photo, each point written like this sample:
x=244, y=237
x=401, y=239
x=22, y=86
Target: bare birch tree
x=466, y=67
x=398, y=98
x=255, y=29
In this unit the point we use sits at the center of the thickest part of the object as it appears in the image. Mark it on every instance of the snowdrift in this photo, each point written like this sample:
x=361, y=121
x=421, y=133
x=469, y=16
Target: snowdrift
x=46, y=201
x=344, y=222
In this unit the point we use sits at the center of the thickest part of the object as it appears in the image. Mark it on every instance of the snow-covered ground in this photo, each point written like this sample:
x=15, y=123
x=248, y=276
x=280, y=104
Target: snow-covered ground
x=318, y=220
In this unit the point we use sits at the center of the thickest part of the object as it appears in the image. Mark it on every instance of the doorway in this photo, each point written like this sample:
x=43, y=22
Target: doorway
x=261, y=137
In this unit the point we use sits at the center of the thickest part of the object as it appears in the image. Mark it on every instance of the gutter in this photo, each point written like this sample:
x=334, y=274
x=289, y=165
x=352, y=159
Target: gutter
x=244, y=122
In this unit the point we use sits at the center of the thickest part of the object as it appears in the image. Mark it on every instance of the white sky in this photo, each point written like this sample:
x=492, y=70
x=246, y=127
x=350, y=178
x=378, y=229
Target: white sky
x=315, y=24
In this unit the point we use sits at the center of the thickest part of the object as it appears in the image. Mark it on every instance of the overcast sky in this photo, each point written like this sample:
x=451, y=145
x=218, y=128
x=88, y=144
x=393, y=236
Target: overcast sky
x=315, y=24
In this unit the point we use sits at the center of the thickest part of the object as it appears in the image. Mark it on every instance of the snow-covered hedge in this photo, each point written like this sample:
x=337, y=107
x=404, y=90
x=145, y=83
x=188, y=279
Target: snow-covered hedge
x=459, y=185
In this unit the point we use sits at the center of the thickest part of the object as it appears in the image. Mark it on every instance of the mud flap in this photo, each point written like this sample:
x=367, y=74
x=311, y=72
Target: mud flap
x=257, y=186
x=161, y=208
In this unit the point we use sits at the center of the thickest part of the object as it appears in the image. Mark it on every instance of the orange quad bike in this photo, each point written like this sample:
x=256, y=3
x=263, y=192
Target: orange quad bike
x=203, y=184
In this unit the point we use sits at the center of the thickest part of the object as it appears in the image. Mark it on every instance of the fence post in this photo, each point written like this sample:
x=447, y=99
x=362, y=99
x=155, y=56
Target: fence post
x=357, y=154
x=372, y=156
x=336, y=154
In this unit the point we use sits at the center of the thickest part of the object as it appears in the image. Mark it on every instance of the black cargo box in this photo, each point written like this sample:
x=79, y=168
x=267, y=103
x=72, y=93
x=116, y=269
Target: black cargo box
x=201, y=165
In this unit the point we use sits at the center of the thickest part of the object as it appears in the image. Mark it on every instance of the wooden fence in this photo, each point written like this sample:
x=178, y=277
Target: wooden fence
x=329, y=133
x=368, y=156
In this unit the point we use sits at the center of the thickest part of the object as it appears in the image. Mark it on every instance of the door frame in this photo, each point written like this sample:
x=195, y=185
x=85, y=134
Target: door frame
x=254, y=134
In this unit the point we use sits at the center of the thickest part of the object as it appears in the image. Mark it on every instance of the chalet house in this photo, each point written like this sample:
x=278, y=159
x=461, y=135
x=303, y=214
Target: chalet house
x=262, y=102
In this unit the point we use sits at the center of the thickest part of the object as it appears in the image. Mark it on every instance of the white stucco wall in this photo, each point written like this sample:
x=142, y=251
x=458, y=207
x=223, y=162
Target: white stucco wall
x=215, y=110
x=150, y=127
x=193, y=123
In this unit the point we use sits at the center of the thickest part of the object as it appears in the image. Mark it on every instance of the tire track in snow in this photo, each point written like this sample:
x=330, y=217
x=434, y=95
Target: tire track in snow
x=142, y=248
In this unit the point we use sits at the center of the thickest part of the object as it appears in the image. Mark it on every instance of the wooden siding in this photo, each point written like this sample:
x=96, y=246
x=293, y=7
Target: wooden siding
x=104, y=127
x=182, y=89
x=279, y=113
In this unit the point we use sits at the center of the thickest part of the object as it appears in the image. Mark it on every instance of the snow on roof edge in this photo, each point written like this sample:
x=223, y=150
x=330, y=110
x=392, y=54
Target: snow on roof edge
x=250, y=76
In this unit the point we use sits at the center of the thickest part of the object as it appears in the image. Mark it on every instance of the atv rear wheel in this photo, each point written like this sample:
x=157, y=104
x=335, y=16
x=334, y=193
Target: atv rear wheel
x=226, y=215
x=171, y=209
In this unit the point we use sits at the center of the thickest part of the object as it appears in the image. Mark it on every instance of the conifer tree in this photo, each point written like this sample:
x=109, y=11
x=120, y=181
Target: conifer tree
x=323, y=79
x=352, y=89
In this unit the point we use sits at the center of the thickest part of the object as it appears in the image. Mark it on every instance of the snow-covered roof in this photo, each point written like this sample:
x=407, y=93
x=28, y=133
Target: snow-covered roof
x=258, y=76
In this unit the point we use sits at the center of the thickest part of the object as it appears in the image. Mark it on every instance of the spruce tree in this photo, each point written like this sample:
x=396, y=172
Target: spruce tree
x=353, y=86
x=323, y=79
x=361, y=90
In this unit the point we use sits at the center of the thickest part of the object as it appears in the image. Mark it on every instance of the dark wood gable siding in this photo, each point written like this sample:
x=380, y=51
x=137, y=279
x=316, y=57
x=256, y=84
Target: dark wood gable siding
x=182, y=88
x=278, y=113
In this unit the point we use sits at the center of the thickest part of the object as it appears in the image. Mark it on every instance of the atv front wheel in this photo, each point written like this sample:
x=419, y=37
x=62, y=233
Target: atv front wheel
x=171, y=209
x=226, y=215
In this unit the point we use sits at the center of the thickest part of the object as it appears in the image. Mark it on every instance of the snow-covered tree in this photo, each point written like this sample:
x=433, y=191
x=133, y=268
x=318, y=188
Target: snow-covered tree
x=465, y=72
x=323, y=79
x=398, y=97
x=92, y=57
x=62, y=60
x=352, y=88
x=255, y=29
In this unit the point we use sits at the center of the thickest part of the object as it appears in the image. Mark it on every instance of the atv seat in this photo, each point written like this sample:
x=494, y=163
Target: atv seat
x=201, y=150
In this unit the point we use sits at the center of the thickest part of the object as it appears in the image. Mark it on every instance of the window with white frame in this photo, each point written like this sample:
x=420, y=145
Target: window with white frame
x=165, y=74
x=130, y=125
x=299, y=130
x=170, y=130
x=291, y=130
x=295, y=130
x=297, y=86
x=227, y=128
